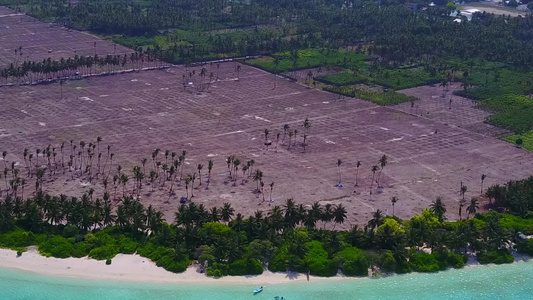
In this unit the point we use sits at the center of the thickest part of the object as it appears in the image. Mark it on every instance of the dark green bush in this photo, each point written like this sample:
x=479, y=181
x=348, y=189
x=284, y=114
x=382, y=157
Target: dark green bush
x=108, y=261
x=424, y=262
x=104, y=252
x=127, y=245
x=525, y=246
x=352, y=261
x=210, y=271
x=499, y=256
x=56, y=246
x=171, y=264
x=387, y=262
x=245, y=267
x=317, y=260
x=70, y=231
x=456, y=260
x=17, y=238
x=81, y=249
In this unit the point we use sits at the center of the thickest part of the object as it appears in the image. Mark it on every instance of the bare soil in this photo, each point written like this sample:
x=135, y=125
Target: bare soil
x=46, y=40
x=430, y=151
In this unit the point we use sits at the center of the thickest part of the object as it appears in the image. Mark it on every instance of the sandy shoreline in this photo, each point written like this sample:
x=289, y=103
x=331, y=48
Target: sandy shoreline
x=134, y=268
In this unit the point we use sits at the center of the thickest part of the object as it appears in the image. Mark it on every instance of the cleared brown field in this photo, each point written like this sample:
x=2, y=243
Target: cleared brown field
x=38, y=40
x=430, y=150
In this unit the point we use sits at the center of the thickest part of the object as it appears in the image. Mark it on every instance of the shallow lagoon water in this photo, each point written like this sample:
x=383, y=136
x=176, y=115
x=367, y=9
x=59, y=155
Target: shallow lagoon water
x=511, y=281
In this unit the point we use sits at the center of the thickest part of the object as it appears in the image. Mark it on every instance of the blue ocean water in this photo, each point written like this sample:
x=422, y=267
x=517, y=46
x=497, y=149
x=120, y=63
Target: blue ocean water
x=484, y=282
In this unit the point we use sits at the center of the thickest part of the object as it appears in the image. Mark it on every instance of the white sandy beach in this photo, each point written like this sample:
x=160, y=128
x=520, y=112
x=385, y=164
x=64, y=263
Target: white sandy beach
x=133, y=268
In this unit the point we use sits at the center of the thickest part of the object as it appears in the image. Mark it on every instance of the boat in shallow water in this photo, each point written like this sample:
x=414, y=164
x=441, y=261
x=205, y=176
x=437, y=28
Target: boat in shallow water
x=258, y=290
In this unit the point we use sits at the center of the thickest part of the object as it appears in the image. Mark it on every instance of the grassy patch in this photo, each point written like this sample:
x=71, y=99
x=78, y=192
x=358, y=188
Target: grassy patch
x=381, y=98
x=514, y=112
x=310, y=58
x=527, y=139
x=404, y=78
x=491, y=82
x=344, y=78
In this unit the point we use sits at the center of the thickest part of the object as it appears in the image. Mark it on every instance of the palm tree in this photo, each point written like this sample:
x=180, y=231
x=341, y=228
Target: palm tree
x=439, y=209
x=209, y=169
x=483, y=176
x=258, y=175
x=339, y=162
x=382, y=163
x=377, y=220
x=393, y=200
x=187, y=181
x=339, y=215
x=306, y=124
x=357, y=165
x=461, y=204
x=277, y=141
x=473, y=207
x=374, y=170
x=286, y=128
x=463, y=191
x=124, y=180
x=236, y=164
x=327, y=214
x=227, y=212
x=200, y=167
x=271, y=188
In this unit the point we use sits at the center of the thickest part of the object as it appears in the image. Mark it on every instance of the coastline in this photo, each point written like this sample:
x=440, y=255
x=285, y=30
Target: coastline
x=134, y=268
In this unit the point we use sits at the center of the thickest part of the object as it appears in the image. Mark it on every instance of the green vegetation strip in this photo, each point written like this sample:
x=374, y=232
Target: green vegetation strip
x=527, y=140
x=284, y=239
x=302, y=59
x=514, y=112
x=382, y=98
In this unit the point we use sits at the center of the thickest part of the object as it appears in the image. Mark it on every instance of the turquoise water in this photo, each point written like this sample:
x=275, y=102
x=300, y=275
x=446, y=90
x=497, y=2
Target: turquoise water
x=487, y=282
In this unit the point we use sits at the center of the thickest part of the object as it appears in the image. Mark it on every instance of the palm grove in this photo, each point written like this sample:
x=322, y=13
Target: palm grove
x=290, y=237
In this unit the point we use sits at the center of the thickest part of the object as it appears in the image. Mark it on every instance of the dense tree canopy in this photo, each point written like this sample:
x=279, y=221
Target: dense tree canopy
x=392, y=30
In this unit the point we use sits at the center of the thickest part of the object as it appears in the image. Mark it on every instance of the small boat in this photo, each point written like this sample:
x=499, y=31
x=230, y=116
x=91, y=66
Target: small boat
x=258, y=290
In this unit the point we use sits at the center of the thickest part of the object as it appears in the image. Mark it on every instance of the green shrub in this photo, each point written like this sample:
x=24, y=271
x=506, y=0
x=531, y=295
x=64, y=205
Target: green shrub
x=108, y=261
x=344, y=78
x=424, y=262
x=381, y=98
x=352, y=261
x=499, y=256
x=17, y=238
x=387, y=262
x=171, y=264
x=405, y=78
x=515, y=223
x=310, y=58
x=456, y=260
x=70, y=231
x=81, y=249
x=210, y=271
x=280, y=260
x=403, y=267
x=56, y=246
x=103, y=252
x=317, y=260
x=525, y=246
x=127, y=245
x=245, y=267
